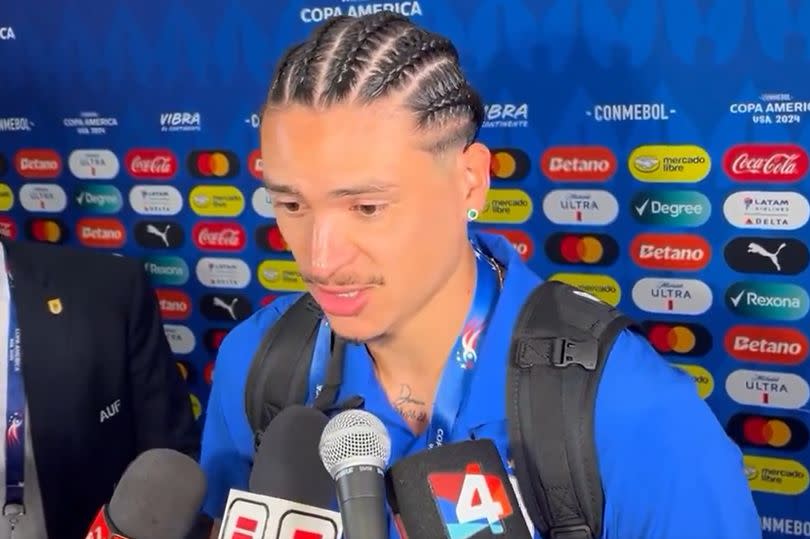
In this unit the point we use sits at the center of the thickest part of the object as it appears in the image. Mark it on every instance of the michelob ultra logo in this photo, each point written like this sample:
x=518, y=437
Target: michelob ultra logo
x=671, y=208
x=768, y=300
x=703, y=379
x=506, y=206
x=216, y=201
x=776, y=476
x=6, y=197
x=580, y=207
x=768, y=389
x=601, y=286
x=672, y=296
x=281, y=275
x=684, y=163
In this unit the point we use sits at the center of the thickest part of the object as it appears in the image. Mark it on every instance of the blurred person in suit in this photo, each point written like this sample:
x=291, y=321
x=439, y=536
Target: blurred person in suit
x=90, y=383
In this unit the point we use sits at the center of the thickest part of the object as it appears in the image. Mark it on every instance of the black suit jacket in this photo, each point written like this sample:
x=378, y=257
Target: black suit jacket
x=107, y=344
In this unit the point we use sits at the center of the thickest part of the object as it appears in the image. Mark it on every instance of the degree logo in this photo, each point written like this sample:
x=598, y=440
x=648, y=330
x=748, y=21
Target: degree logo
x=603, y=287
x=519, y=239
x=281, y=275
x=212, y=164
x=509, y=164
x=578, y=163
x=675, y=252
x=506, y=206
x=166, y=270
x=586, y=249
x=678, y=338
x=671, y=208
x=768, y=300
x=766, y=344
x=767, y=432
x=776, y=476
x=703, y=378
x=669, y=163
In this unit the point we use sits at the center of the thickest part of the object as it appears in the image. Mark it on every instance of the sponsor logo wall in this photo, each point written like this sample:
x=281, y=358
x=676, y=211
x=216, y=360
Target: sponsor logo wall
x=663, y=169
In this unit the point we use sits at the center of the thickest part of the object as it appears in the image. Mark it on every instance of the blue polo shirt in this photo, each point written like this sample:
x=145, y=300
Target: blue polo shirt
x=668, y=469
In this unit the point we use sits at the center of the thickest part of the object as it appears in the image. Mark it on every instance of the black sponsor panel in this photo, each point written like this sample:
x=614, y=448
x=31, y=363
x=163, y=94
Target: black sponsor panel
x=3, y=165
x=225, y=307
x=509, y=163
x=678, y=338
x=213, y=338
x=586, y=249
x=159, y=234
x=212, y=164
x=768, y=432
x=779, y=256
x=46, y=230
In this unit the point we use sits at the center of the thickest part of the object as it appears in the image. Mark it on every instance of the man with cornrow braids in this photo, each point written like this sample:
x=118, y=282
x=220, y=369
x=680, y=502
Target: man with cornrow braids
x=371, y=160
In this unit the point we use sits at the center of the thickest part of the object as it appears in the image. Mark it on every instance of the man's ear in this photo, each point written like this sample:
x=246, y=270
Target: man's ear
x=476, y=161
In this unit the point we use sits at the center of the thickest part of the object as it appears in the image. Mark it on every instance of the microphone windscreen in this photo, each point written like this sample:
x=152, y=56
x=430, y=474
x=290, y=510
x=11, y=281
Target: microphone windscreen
x=456, y=490
x=159, y=495
x=287, y=464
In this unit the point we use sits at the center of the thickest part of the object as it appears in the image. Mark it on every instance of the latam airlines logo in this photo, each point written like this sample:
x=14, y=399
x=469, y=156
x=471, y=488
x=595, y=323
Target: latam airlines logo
x=153, y=200
x=767, y=210
x=768, y=389
x=674, y=208
x=93, y=164
x=768, y=300
x=783, y=163
x=260, y=200
x=672, y=296
x=223, y=272
x=580, y=207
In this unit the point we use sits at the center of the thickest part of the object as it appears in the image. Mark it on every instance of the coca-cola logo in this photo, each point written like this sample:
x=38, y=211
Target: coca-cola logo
x=151, y=163
x=219, y=236
x=766, y=162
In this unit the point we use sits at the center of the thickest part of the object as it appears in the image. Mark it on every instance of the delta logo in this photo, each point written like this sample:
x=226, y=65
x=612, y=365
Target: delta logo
x=255, y=164
x=212, y=164
x=46, y=230
x=676, y=208
x=509, y=164
x=97, y=232
x=519, y=239
x=219, y=236
x=174, y=304
x=603, y=287
x=685, y=163
x=151, y=163
x=674, y=252
x=578, y=163
x=470, y=502
x=38, y=163
x=767, y=210
x=8, y=228
x=767, y=432
x=704, y=382
x=776, y=476
x=768, y=300
x=773, y=163
x=761, y=344
x=678, y=338
x=586, y=249
x=269, y=238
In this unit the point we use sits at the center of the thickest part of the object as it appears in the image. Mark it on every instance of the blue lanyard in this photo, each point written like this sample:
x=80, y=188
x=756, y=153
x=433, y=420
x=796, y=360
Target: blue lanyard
x=15, y=409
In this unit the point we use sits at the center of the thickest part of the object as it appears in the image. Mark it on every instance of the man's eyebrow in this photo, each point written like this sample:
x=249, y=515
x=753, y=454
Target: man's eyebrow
x=364, y=188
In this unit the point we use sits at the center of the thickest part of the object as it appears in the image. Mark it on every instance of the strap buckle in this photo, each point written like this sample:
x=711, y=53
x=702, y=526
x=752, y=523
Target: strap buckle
x=579, y=531
x=566, y=351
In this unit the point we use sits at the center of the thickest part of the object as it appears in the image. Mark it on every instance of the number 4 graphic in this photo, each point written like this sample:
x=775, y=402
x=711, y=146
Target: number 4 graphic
x=476, y=501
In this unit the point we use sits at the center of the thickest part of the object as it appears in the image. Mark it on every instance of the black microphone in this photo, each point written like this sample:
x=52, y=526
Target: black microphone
x=355, y=448
x=455, y=490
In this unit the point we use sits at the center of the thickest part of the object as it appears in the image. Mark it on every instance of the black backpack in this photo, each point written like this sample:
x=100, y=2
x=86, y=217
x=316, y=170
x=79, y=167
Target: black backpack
x=559, y=346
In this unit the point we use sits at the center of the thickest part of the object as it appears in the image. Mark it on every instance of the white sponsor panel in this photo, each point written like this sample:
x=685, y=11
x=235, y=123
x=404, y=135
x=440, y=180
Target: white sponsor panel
x=672, y=296
x=261, y=203
x=93, y=164
x=768, y=389
x=580, y=207
x=215, y=272
x=767, y=210
x=181, y=339
x=155, y=200
x=43, y=197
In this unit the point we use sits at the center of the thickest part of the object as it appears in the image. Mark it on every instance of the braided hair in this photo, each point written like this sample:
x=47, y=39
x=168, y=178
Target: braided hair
x=363, y=59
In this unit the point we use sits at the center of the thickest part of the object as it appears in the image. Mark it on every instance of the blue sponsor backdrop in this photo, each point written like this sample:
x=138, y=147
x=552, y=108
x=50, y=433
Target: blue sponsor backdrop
x=717, y=75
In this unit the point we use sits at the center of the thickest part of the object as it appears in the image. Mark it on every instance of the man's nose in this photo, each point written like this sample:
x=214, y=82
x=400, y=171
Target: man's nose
x=330, y=249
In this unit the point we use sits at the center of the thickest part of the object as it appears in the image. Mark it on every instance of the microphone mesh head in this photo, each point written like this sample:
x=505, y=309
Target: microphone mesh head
x=354, y=437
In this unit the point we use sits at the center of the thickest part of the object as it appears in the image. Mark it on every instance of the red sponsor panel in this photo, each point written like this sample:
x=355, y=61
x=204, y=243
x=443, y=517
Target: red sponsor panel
x=174, y=304
x=578, y=163
x=151, y=163
x=766, y=344
x=38, y=163
x=254, y=163
x=681, y=252
x=101, y=232
x=778, y=163
x=219, y=236
x=519, y=239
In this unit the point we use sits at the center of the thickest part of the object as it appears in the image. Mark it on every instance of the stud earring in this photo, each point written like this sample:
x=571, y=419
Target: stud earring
x=472, y=214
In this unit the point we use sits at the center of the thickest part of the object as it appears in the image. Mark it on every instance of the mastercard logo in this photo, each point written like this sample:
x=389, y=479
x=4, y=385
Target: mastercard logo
x=519, y=239
x=679, y=339
x=509, y=164
x=269, y=238
x=183, y=367
x=8, y=228
x=212, y=164
x=46, y=230
x=586, y=249
x=764, y=431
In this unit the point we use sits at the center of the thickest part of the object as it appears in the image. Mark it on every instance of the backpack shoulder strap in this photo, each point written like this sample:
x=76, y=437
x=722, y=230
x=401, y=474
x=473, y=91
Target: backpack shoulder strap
x=559, y=347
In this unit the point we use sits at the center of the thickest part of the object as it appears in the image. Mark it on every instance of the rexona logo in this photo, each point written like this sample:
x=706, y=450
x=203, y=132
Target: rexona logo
x=509, y=164
x=603, y=287
x=166, y=270
x=97, y=232
x=703, y=378
x=223, y=272
x=93, y=164
x=174, y=304
x=773, y=255
x=216, y=201
x=151, y=163
x=578, y=163
x=37, y=163
x=281, y=275
x=670, y=164
x=43, y=198
x=221, y=307
x=675, y=252
x=213, y=164
x=768, y=432
x=776, y=476
x=219, y=236
x=768, y=389
x=587, y=249
x=671, y=208
x=519, y=239
x=672, y=296
x=46, y=230
x=6, y=197
x=255, y=164
x=269, y=238
x=580, y=207
x=765, y=344
x=782, y=163
x=105, y=199
x=506, y=206
x=159, y=234
x=678, y=338
x=768, y=300
x=767, y=210
x=261, y=203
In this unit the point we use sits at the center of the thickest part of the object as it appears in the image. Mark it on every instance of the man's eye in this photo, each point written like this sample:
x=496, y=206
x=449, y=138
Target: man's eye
x=291, y=207
x=368, y=210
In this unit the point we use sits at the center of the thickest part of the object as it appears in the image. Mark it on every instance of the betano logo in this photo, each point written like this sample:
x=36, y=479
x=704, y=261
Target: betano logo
x=509, y=164
x=580, y=207
x=8, y=228
x=671, y=208
x=768, y=432
x=766, y=344
x=672, y=296
x=38, y=163
x=684, y=163
x=603, y=287
x=768, y=300
x=519, y=239
x=578, y=163
x=776, y=476
x=768, y=389
x=704, y=382
x=281, y=275
x=174, y=304
x=678, y=338
x=97, y=232
x=216, y=201
x=587, y=249
x=506, y=206
x=212, y=164
x=6, y=197
x=166, y=270
x=674, y=252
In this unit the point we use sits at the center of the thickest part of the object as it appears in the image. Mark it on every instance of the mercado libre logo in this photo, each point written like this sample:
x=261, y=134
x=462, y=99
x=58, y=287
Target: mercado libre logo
x=704, y=381
x=6, y=197
x=768, y=300
x=775, y=475
x=677, y=208
x=669, y=163
x=506, y=206
x=509, y=164
x=589, y=249
x=603, y=287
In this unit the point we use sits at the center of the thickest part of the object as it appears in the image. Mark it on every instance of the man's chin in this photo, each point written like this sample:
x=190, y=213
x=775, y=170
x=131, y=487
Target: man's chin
x=354, y=331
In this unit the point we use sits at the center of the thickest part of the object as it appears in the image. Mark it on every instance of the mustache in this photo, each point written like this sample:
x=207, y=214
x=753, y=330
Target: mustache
x=343, y=280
